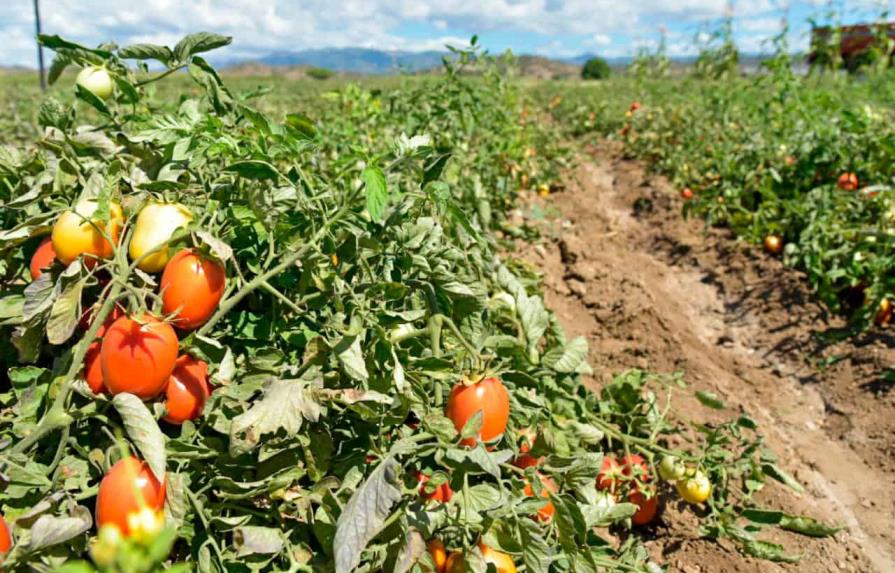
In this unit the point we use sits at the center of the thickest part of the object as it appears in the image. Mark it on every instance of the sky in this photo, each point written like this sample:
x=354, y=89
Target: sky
x=554, y=28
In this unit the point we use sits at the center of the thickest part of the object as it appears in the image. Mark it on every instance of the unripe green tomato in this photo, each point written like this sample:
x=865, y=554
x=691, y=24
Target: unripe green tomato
x=96, y=80
x=695, y=489
x=671, y=468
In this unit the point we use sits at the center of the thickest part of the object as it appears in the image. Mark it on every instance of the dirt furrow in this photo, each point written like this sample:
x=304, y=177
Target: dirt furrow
x=651, y=290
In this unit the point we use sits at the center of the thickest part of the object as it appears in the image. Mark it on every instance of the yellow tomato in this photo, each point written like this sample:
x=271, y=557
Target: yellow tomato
x=502, y=562
x=78, y=232
x=439, y=555
x=695, y=488
x=145, y=525
x=155, y=225
x=104, y=548
x=96, y=80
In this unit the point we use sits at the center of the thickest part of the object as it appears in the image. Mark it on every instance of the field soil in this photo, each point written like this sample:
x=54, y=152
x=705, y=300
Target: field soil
x=652, y=290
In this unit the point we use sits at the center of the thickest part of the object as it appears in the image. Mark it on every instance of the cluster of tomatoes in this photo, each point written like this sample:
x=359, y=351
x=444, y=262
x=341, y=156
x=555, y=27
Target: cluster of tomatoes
x=138, y=353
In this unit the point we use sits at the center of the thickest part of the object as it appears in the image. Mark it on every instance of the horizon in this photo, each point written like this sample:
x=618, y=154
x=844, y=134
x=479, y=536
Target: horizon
x=556, y=29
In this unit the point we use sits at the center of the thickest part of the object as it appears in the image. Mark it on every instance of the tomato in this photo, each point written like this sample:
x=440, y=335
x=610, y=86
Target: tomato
x=773, y=244
x=488, y=396
x=442, y=492
x=884, y=313
x=647, y=507
x=93, y=370
x=128, y=488
x=687, y=194
x=610, y=474
x=154, y=227
x=192, y=287
x=848, y=182
x=77, y=233
x=138, y=355
x=528, y=437
x=502, y=562
x=439, y=555
x=96, y=80
x=546, y=512
x=187, y=390
x=671, y=469
x=696, y=488
x=42, y=258
x=635, y=467
x=5, y=537
x=634, y=106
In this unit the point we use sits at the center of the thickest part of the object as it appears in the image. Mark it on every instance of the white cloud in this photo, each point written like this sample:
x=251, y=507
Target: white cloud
x=263, y=26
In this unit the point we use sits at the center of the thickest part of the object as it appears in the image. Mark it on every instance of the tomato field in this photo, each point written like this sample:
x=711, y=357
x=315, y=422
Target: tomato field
x=261, y=325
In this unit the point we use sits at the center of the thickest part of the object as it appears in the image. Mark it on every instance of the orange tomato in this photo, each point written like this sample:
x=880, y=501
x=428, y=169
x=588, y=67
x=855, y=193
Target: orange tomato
x=187, y=390
x=488, y=396
x=439, y=555
x=442, y=493
x=848, y=182
x=192, y=287
x=884, y=313
x=502, y=562
x=546, y=512
x=42, y=258
x=773, y=244
x=5, y=537
x=138, y=355
x=77, y=233
x=647, y=507
x=687, y=194
x=128, y=488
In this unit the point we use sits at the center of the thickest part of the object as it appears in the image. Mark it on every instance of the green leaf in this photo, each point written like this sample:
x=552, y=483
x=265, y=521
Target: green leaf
x=365, y=514
x=770, y=551
x=377, y=192
x=778, y=474
x=51, y=530
x=567, y=358
x=65, y=313
x=146, y=52
x=254, y=540
x=285, y=405
x=143, y=430
x=198, y=43
x=536, y=553
x=352, y=358
x=254, y=169
x=710, y=400
x=92, y=100
x=808, y=526
x=301, y=126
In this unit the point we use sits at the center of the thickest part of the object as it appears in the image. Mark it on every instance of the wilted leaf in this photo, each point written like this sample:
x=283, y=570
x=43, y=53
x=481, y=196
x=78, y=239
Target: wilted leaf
x=49, y=529
x=143, y=430
x=251, y=540
x=285, y=405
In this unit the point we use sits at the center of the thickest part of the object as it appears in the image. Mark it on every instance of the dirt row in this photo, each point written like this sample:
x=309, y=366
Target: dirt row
x=651, y=290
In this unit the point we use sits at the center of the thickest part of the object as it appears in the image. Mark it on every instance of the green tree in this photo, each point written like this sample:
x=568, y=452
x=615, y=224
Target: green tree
x=595, y=69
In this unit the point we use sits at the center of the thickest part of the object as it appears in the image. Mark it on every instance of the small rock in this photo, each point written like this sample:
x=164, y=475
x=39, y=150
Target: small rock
x=541, y=251
x=577, y=287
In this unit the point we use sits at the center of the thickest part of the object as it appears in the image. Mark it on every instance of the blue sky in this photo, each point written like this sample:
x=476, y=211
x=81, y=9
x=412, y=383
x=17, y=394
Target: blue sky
x=557, y=28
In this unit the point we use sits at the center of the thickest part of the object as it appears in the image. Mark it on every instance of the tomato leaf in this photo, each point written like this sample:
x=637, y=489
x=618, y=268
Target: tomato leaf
x=220, y=249
x=143, y=430
x=376, y=190
x=778, y=474
x=66, y=310
x=412, y=549
x=253, y=540
x=285, y=405
x=51, y=530
x=709, y=400
x=365, y=514
x=808, y=526
x=566, y=358
x=536, y=554
x=146, y=52
x=198, y=43
x=767, y=550
x=352, y=359
x=254, y=169
x=92, y=100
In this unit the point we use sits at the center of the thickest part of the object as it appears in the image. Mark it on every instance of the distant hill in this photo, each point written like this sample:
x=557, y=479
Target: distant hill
x=356, y=60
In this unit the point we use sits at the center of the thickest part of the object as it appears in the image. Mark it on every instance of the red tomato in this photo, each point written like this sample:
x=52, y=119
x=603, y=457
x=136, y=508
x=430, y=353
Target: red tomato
x=848, y=182
x=610, y=474
x=488, y=396
x=635, y=467
x=442, y=493
x=646, y=506
x=192, y=287
x=93, y=370
x=187, y=390
x=547, y=511
x=138, y=356
x=127, y=488
x=5, y=537
x=687, y=194
x=42, y=258
x=525, y=460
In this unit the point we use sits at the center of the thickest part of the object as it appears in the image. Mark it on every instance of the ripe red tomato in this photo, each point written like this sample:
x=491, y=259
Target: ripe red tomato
x=547, y=511
x=127, y=488
x=187, y=390
x=488, y=396
x=848, y=182
x=610, y=474
x=5, y=537
x=634, y=467
x=42, y=258
x=138, y=355
x=192, y=287
x=442, y=493
x=687, y=194
x=647, y=507
x=525, y=460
